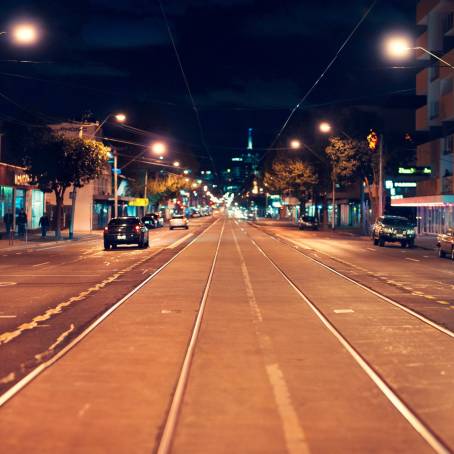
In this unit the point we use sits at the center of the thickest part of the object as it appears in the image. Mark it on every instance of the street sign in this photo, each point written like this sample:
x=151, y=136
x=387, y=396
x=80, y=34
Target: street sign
x=415, y=170
x=138, y=202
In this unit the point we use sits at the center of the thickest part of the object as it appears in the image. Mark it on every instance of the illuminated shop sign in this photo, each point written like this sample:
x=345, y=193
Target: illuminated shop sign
x=415, y=170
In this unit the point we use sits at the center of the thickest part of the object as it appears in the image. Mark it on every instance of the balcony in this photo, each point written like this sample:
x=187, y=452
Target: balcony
x=422, y=79
x=447, y=107
x=423, y=9
x=422, y=119
x=422, y=41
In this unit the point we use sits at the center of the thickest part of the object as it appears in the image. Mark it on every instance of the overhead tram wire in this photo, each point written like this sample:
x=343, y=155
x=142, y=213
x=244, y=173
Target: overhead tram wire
x=322, y=75
x=194, y=106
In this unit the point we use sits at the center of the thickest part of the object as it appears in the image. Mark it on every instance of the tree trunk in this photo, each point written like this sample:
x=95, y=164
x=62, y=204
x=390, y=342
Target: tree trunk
x=59, y=193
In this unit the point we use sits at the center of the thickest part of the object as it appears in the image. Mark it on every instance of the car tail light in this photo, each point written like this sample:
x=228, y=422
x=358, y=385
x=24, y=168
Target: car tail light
x=106, y=229
x=137, y=228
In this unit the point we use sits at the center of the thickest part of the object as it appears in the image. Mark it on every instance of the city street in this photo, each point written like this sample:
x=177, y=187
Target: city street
x=245, y=337
x=51, y=292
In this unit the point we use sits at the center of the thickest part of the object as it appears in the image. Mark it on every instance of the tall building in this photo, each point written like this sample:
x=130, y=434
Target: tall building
x=435, y=195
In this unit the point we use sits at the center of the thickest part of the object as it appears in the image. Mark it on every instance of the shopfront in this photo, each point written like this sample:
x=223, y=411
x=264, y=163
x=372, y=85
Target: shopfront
x=16, y=191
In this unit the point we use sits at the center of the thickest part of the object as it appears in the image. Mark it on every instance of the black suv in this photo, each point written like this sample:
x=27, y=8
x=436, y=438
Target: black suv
x=308, y=222
x=393, y=229
x=125, y=230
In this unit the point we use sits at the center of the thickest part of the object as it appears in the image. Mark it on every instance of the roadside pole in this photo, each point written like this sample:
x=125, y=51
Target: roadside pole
x=145, y=192
x=115, y=169
x=380, y=183
x=333, y=211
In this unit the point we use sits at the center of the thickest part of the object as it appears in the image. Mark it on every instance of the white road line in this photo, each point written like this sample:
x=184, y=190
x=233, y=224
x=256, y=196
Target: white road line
x=343, y=311
x=7, y=284
x=371, y=249
x=181, y=240
x=413, y=260
x=45, y=365
x=295, y=438
x=419, y=426
x=168, y=431
x=8, y=316
x=40, y=264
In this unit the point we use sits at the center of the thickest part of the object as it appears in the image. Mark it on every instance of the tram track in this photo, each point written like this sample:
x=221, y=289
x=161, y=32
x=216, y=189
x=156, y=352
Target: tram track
x=398, y=402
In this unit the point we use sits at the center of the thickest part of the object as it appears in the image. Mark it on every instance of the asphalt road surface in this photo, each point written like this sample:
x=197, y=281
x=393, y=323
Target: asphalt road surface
x=242, y=342
x=50, y=293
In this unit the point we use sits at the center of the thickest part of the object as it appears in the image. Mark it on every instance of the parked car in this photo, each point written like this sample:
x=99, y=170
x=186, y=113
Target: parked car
x=178, y=221
x=393, y=229
x=308, y=222
x=445, y=244
x=251, y=216
x=159, y=219
x=125, y=230
x=195, y=213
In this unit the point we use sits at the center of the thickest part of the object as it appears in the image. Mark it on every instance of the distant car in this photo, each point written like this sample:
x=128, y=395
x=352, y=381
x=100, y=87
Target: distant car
x=251, y=216
x=393, y=229
x=308, y=222
x=195, y=214
x=150, y=221
x=445, y=244
x=159, y=219
x=178, y=221
x=125, y=230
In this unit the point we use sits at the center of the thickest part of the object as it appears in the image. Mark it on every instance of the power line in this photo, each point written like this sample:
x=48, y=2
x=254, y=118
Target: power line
x=322, y=75
x=194, y=106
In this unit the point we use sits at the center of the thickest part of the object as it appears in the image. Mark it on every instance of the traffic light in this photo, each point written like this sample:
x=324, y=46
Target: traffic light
x=372, y=140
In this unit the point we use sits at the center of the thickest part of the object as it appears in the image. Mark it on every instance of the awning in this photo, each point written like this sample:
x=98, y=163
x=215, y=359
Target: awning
x=424, y=201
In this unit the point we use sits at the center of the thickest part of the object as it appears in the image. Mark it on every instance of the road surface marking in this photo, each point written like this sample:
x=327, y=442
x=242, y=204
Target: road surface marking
x=181, y=240
x=413, y=260
x=443, y=302
x=40, y=356
x=295, y=437
x=371, y=249
x=45, y=365
x=40, y=264
x=7, y=284
x=8, y=316
x=8, y=378
x=343, y=311
x=429, y=297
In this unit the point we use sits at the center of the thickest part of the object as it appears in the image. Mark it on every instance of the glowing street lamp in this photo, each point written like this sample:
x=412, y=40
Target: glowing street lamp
x=295, y=144
x=325, y=127
x=398, y=47
x=120, y=117
x=159, y=148
x=176, y=163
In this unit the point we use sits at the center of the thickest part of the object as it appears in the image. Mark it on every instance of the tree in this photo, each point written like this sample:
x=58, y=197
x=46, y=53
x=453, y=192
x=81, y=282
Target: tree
x=55, y=162
x=164, y=188
x=352, y=158
x=291, y=177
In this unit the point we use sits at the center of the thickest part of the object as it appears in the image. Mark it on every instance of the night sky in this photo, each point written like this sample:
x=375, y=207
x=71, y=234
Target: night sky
x=248, y=62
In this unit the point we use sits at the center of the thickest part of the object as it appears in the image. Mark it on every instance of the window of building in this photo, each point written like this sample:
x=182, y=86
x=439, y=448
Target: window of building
x=449, y=145
x=434, y=109
x=448, y=22
x=37, y=207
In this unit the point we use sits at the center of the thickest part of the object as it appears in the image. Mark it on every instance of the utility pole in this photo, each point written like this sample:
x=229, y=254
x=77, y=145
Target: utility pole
x=145, y=192
x=333, y=211
x=115, y=170
x=73, y=198
x=380, y=172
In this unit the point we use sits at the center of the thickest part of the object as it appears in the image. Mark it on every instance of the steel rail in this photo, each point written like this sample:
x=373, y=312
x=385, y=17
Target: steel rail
x=383, y=297
x=429, y=436
x=24, y=381
x=166, y=439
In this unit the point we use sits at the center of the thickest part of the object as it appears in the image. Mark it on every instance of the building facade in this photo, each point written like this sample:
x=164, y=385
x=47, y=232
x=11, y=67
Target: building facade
x=434, y=198
x=16, y=193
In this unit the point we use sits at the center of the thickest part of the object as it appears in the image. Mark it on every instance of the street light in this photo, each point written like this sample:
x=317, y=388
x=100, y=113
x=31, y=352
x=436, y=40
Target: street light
x=176, y=163
x=325, y=127
x=400, y=46
x=159, y=148
x=295, y=144
x=119, y=117
x=23, y=34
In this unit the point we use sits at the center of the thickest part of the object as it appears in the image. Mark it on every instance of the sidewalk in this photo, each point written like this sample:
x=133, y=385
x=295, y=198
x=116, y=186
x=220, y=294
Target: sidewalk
x=34, y=239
